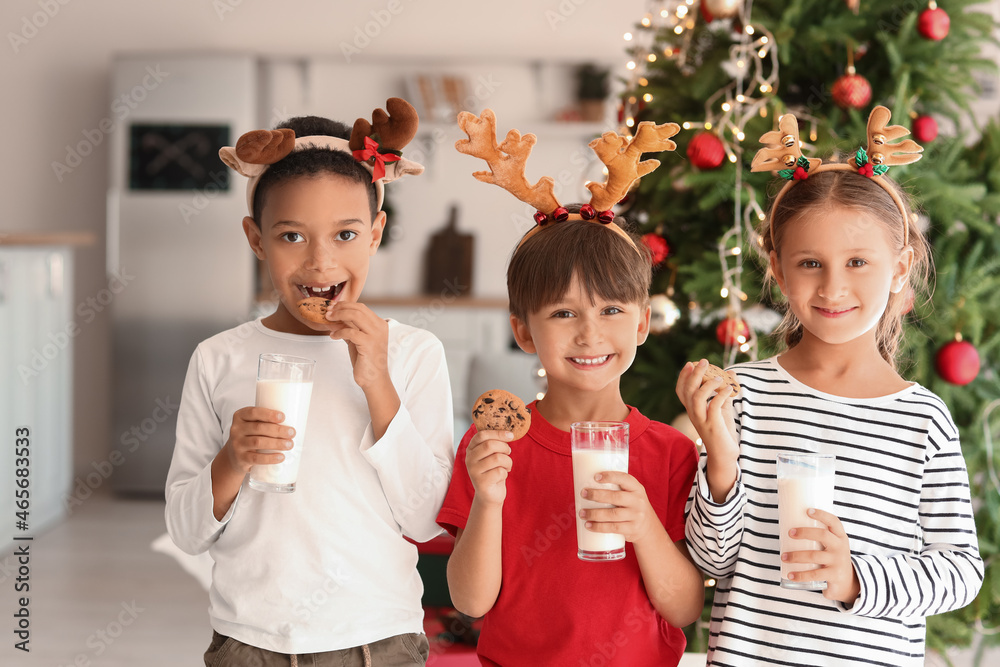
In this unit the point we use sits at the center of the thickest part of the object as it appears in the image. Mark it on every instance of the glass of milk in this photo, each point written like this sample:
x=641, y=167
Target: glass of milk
x=284, y=383
x=597, y=447
x=805, y=481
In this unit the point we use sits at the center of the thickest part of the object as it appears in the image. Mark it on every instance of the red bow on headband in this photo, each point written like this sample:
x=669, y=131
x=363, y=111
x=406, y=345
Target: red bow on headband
x=371, y=151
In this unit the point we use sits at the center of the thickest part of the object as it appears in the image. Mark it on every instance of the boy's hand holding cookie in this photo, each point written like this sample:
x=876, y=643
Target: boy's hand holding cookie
x=253, y=430
x=488, y=461
x=632, y=514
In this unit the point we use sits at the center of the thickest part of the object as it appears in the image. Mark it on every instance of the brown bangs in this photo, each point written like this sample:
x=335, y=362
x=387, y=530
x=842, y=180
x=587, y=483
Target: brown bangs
x=541, y=270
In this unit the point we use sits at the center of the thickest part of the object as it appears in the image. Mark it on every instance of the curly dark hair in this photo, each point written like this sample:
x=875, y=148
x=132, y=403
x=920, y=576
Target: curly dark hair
x=313, y=161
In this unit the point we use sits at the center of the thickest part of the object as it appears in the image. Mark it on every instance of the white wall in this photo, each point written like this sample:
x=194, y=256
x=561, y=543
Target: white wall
x=56, y=84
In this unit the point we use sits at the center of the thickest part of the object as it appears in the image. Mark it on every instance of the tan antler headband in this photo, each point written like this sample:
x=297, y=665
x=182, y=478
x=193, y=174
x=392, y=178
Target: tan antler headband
x=782, y=149
x=622, y=155
x=376, y=146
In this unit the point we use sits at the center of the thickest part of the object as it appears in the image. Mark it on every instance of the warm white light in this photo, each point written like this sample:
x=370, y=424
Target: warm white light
x=632, y=99
x=761, y=216
x=541, y=372
x=744, y=347
x=628, y=37
x=708, y=126
x=678, y=29
x=763, y=39
x=732, y=157
x=740, y=136
x=647, y=98
x=740, y=98
x=735, y=251
x=630, y=122
x=664, y=13
x=743, y=296
x=764, y=88
x=686, y=125
x=762, y=53
x=749, y=29
x=651, y=57
x=630, y=64
x=540, y=395
x=709, y=583
x=646, y=21
x=740, y=64
x=668, y=52
x=682, y=11
x=741, y=339
x=643, y=81
x=724, y=292
x=726, y=106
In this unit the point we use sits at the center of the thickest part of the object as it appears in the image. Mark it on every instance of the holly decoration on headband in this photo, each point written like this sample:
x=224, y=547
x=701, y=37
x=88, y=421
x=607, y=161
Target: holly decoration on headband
x=799, y=172
x=866, y=167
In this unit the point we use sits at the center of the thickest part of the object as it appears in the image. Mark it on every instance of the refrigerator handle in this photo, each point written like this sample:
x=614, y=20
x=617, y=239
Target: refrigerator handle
x=56, y=275
x=113, y=215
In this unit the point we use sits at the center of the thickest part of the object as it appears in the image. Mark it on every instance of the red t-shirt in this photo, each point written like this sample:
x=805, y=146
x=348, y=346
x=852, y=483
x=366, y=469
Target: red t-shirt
x=553, y=608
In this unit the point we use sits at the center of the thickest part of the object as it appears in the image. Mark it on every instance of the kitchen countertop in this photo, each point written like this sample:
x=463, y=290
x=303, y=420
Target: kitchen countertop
x=46, y=238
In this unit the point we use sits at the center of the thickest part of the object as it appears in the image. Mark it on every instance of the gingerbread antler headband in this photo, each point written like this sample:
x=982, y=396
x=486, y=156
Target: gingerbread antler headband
x=782, y=149
x=376, y=146
x=622, y=155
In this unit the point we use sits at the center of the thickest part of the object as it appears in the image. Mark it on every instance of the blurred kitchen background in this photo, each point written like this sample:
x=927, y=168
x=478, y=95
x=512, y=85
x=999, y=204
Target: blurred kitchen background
x=121, y=246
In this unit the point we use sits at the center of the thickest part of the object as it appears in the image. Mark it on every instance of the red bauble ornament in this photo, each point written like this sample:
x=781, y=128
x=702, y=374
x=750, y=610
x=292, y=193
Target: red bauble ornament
x=730, y=331
x=957, y=362
x=705, y=150
x=934, y=23
x=658, y=247
x=705, y=14
x=852, y=91
x=925, y=129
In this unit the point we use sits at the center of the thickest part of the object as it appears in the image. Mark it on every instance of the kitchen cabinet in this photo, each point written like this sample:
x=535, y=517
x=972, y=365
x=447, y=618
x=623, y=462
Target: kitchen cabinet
x=36, y=361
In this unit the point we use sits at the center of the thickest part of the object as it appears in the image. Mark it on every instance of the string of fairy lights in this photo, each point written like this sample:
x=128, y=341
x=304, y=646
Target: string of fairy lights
x=753, y=68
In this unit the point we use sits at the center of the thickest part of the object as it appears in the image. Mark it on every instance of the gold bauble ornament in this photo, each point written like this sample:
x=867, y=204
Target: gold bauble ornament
x=723, y=9
x=663, y=315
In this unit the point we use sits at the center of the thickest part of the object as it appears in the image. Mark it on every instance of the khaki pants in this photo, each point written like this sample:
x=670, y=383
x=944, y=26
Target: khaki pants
x=399, y=651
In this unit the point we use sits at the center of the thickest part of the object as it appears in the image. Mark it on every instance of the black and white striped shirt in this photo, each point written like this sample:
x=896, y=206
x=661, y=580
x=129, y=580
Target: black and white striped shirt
x=902, y=494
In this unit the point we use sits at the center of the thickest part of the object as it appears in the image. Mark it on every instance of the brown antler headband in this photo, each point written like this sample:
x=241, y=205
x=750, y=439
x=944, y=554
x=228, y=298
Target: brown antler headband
x=782, y=152
x=506, y=160
x=375, y=145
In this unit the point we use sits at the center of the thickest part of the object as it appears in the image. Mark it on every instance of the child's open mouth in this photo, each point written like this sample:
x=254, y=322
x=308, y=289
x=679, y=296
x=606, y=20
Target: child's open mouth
x=322, y=291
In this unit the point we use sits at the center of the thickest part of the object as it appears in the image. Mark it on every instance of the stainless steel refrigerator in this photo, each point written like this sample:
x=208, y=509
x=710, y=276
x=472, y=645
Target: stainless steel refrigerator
x=175, y=246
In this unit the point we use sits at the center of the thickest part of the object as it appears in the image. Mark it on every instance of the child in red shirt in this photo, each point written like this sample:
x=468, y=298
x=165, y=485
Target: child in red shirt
x=579, y=300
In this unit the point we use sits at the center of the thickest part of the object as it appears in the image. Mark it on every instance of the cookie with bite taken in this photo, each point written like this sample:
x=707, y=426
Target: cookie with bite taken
x=728, y=377
x=314, y=309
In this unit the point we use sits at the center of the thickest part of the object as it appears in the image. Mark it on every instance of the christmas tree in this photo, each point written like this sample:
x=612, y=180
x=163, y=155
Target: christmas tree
x=727, y=70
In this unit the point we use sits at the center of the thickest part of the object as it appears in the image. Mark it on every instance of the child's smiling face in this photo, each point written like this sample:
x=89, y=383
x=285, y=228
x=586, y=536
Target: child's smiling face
x=317, y=236
x=837, y=269
x=584, y=346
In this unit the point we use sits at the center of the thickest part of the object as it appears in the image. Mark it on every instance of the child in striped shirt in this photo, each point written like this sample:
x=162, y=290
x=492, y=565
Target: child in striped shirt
x=901, y=543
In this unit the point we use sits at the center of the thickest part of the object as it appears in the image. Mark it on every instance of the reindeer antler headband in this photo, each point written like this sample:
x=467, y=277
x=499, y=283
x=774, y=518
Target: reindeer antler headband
x=506, y=160
x=782, y=149
x=376, y=146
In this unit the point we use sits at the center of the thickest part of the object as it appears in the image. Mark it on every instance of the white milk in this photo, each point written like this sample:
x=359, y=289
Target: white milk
x=795, y=496
x=586, y=464
x=291, y=398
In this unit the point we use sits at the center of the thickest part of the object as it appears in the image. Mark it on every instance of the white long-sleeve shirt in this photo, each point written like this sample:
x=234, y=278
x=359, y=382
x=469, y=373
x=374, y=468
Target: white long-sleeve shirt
x=902, y=494
x=325, y=567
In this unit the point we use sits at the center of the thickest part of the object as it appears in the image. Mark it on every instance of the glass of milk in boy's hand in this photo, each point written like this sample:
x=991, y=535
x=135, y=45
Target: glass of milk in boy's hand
x=597, y=447
x=284, y=383
x=805, y=481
